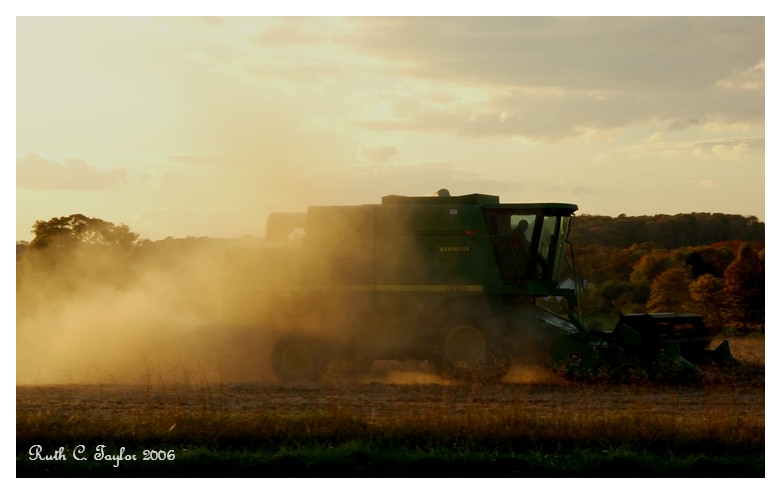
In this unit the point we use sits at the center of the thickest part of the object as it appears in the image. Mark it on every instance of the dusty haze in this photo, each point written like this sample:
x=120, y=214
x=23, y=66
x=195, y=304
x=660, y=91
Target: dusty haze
x=166, y=312
x=207, y=311
x=195, y=310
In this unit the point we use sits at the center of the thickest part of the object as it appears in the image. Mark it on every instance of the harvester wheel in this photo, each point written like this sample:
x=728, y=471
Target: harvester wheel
x=297, y=358
x=467, y=353
x=465, y=346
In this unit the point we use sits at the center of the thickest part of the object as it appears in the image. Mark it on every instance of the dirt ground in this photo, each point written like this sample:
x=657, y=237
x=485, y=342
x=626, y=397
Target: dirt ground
x=393, y=389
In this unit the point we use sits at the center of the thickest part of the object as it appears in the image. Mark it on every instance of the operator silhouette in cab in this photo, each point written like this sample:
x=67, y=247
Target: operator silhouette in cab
x=520, y=243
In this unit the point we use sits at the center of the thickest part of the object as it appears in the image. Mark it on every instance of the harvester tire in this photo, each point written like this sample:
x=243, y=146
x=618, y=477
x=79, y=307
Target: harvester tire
x=467, y=352
x=297, y=358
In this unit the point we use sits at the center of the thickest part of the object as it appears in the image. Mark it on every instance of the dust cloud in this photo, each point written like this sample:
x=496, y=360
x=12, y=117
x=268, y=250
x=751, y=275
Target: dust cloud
x=192, y=310
x=208, y=311
x=176, y=310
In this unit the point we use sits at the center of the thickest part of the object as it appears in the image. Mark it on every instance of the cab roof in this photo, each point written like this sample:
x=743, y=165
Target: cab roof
x=473, y=199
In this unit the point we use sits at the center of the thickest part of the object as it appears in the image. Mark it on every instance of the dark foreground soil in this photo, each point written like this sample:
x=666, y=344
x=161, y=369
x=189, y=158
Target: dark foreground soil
x=398, y=420
x=402, y=393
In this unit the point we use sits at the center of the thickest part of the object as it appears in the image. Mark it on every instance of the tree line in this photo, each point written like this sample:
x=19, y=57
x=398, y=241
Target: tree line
x=711, y=264
x=666, y=231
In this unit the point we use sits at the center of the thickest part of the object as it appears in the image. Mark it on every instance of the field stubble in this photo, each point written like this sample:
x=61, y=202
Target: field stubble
x=403, y=407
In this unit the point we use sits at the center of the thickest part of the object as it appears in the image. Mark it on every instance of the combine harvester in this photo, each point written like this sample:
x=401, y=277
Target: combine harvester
x=456, y=281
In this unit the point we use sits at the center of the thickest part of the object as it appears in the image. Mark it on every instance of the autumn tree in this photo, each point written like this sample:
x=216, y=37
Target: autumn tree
x=714, y=259
x=615, y=297
x=669, y=291
x=744, y=280
x=598, y=264
x=708, y=299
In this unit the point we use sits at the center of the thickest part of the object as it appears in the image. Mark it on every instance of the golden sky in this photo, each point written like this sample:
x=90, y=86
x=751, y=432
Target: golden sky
x=184, y=126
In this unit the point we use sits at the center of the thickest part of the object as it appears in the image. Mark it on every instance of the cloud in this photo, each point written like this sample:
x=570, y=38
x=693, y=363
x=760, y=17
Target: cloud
x=539, y=115
x=750, y=79
x=596, y=53
x=36, y=173
x=727, y=148
x=378, y=154
x=678, y=124
x=550, y=115
x=583, y=191
x=706, y=183
x=300, y=31
x=367, y=183
x=546, y=79
x=200, y=159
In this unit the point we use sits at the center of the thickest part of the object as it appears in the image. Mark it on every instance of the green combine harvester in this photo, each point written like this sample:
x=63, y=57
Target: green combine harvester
x=456, y=281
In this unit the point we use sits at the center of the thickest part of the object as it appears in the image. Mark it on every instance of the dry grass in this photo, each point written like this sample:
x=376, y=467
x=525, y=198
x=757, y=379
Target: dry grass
x=393, y=418
x=749, y=350
x=750, y=371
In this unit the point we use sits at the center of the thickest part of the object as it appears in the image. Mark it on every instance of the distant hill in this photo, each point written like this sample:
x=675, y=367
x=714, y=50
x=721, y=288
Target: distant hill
x=680, y=230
